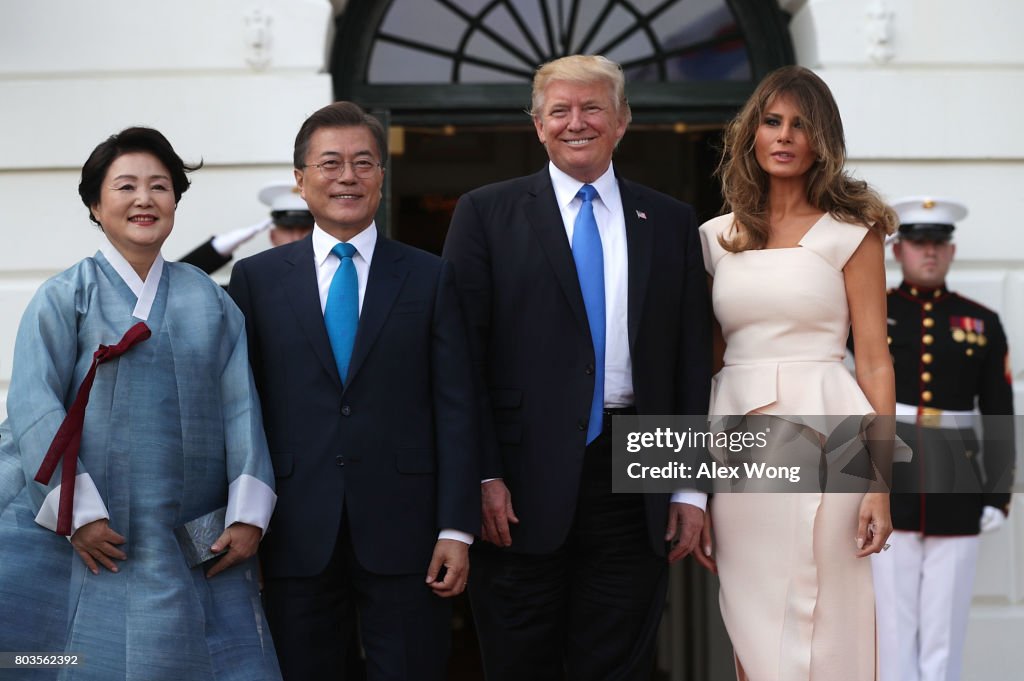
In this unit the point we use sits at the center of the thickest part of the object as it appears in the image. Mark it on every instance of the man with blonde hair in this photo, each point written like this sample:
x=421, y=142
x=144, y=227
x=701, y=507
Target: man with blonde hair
x=585, y=297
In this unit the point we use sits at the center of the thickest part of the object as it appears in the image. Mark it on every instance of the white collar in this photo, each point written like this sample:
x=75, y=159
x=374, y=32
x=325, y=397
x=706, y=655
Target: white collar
x=145, y=291
x=364, y=243
x=567, y=187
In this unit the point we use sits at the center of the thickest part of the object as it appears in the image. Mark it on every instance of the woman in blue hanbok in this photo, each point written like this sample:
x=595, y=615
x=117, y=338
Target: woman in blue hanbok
x=172, y=433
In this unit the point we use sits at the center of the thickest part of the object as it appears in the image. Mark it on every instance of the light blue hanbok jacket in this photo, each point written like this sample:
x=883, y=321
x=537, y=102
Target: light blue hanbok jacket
x=173, y=431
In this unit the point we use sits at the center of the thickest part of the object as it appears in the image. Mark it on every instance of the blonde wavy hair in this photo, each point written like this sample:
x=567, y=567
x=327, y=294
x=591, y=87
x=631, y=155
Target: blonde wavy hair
x=829, y=187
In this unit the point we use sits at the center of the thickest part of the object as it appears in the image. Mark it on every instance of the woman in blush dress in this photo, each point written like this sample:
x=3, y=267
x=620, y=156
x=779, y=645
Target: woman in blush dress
x=798, y=260
x=91, y=564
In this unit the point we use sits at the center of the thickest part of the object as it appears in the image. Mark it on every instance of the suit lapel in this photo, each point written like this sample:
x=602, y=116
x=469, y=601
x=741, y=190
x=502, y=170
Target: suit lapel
x=546, y=221
x=387, y=273
x=640, y=250
x=299, y=281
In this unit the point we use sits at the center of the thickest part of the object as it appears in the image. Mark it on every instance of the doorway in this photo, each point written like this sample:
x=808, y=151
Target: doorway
x=431, y=167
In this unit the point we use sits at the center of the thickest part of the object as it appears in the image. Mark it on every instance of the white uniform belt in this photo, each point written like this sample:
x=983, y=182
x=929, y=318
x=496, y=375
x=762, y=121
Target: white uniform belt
x=930, y=417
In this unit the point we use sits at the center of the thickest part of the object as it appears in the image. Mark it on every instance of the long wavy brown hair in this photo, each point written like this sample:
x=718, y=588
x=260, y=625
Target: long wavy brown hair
x=829, y=187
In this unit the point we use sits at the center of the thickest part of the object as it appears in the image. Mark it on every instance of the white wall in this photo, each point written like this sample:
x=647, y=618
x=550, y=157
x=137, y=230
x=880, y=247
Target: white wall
x=931, y=93
x=228, y=81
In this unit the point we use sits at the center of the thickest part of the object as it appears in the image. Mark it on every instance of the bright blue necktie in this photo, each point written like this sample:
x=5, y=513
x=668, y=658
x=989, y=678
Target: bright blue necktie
x=341, y=313
x=589, y=257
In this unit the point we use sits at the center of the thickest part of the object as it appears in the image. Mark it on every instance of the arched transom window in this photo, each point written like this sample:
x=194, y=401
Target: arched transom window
x=471, y=59
x=503, y=41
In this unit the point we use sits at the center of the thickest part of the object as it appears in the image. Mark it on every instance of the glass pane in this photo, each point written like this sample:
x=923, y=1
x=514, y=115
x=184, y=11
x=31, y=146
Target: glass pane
x=530, y=13
x=393, y=64
x=687, y=16
x=586, y=15
x=636, y=46
x=610, y=36
x=471, y=6
x=515, y=52
x=647, y=6
x=470, y=73
x=408, y=19
x=723, y=55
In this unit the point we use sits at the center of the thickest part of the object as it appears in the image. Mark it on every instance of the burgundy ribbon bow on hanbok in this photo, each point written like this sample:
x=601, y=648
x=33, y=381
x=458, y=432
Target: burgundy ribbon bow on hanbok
x=69, y=436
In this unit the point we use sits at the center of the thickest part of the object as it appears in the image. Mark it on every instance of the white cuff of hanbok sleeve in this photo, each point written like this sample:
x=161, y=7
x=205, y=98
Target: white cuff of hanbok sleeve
x=250, y=501
x=691, y=497
x=457, y=535
x=88, y=506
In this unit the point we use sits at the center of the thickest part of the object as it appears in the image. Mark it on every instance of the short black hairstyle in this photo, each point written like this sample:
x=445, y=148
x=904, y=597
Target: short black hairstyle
x=130, y=140
x=339, y=115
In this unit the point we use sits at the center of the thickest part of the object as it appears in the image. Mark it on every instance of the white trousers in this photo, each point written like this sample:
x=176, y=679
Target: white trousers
x=923, y=589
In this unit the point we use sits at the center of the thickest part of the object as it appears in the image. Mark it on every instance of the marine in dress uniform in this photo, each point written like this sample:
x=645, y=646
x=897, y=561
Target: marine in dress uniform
x=952, y=372
x=290, y=220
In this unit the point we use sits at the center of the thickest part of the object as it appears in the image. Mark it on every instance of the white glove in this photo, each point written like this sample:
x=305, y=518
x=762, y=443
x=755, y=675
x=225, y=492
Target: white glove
x=991, y=519
x=226, y=243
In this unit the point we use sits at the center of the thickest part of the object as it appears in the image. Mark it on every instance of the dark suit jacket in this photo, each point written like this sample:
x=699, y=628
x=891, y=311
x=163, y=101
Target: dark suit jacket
x=396, y=447
x=531, y=344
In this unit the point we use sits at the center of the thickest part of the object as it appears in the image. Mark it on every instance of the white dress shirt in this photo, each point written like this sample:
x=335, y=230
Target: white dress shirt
x=611, y=225
x=327, y=263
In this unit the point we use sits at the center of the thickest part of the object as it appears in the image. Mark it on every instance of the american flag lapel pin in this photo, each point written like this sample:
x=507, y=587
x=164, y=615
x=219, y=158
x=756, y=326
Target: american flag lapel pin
x=640, y=214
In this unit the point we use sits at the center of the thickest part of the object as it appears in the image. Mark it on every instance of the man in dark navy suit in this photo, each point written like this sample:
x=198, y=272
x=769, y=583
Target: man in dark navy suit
x=586, y=296
x=359, y=353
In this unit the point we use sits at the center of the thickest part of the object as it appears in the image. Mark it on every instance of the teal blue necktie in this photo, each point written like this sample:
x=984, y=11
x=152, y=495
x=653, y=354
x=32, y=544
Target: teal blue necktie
x=589, y=257
x=341, y=313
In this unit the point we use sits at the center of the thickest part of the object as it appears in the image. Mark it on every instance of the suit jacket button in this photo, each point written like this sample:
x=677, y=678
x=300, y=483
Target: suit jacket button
x=581, y=424
x=340, y=460
x=346, y=410
x=590, y=369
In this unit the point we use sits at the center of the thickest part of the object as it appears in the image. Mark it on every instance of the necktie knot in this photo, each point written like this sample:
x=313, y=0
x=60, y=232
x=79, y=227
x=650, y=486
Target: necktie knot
x=587, y=192
x=343, y=250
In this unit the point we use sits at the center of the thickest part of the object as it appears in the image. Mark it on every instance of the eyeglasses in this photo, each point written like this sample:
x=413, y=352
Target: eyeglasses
x=332, y=169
